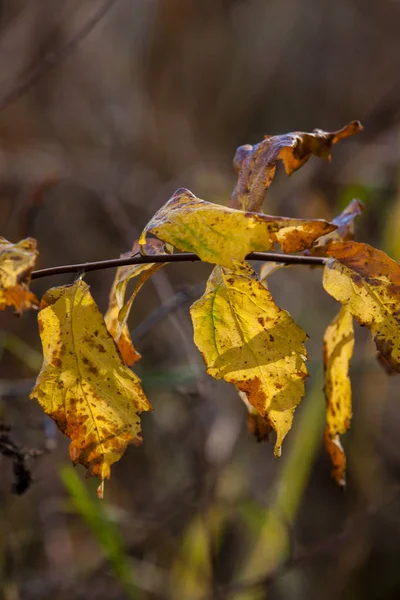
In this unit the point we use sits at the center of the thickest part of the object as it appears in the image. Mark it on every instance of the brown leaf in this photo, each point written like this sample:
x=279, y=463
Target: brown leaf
x=255, y=165
x=16, y=265
x=345, y=227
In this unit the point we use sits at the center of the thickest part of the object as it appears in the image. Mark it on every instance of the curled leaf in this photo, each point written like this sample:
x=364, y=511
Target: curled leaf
x=222, y=235
x=17, y=262
x=249, y=341
x=367, y=282
x=117, y=325
x=84, y=385
x=256, y=165
x=345, y=227
x=338, y=350
x=257, y=425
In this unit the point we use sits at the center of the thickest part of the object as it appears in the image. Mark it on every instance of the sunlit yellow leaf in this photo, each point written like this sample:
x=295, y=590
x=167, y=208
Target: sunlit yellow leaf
x=118, y=326
x=16, y=265
x=124, y=341
x=256, y=165
x=115, y=320
x=222, y=235
x=338, y=350
x=249, y=341
x=367, y=282
x=126, y=308
x=84, y=385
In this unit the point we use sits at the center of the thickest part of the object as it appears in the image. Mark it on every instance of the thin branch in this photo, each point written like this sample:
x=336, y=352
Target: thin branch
x=52, y=59
x=138, y=259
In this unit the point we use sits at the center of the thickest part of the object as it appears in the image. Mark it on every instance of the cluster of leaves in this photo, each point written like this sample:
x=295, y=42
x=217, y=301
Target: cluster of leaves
x=86, y=383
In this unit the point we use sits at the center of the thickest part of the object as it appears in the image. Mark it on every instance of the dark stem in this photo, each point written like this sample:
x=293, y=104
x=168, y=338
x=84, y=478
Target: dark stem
x=138, y=259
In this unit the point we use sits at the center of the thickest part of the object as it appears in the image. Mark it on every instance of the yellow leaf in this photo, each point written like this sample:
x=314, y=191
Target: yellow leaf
x=84, y=385
x=16, y=265
x=256, y=165
x=118, y=330
x=126, y=308
x=267, y=269
x=249, y=341
x=338, y=350
x=222, y=235
x=367, y=282
x=117, y=322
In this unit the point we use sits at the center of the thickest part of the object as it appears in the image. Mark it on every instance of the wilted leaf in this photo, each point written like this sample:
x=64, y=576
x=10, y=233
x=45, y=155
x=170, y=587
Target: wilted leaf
x=255, y=165
x=345, y=227
x=16, y=265
x=267, y=269
x=222, y=235
x=249, y=341
x=123, y=276
x=338, y=350
x=118, y=329
x=84, y=385
x=123, y=315
x=367, y=282
x=257, y=425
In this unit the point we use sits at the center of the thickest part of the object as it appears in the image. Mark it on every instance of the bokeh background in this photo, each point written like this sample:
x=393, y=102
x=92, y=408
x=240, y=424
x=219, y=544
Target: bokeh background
x=106, y=109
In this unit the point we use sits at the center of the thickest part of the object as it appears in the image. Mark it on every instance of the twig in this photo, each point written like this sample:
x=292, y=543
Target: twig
x=52, y=59
x=138, y=259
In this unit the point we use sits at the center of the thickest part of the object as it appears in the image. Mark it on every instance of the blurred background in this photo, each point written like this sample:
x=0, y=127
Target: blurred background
x=106, y=109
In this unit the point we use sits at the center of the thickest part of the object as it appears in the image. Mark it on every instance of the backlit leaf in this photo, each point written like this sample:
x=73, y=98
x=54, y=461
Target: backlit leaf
x=267, y=269
x=222, y=235
x=345, y=227
x=117, y=325
x=249, y=341
x=257, y=425
x=367, y=282
x=256, y=165
x=16, y=265
x=84, y=385
x=145, y=274
x=338, y=350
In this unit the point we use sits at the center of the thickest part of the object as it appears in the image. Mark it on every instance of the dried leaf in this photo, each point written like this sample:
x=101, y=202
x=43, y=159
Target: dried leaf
x=123, y=276
x=267, y=269
x=249, y=341
x=345, y=227
x=338, y=350
x=16, y=265
x=256, y=165
x=222, y=235
x=84, y=385
x=118, y=329
x=257, y=425
x=126, y=308
x=367, y=282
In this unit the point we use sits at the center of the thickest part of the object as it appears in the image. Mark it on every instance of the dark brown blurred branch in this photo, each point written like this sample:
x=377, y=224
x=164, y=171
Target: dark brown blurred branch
x=138, y=259
x=52, y=59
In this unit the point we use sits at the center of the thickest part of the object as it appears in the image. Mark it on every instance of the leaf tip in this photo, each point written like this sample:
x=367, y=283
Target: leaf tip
x=100, y=490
